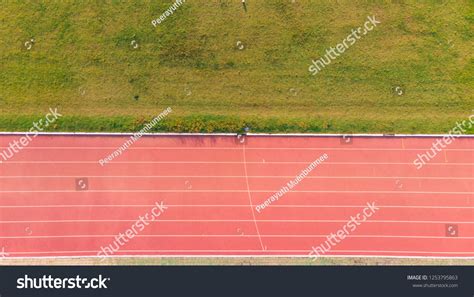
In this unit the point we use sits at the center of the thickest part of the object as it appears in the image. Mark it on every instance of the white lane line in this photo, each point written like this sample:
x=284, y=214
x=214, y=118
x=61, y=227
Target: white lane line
x=234, y=162
x=250, y=198
x=229, y=136
x=229, y=191
x=238, y=176
x=232, y=235
x=247, y=251
x=238, y=220
x=231, y=206
x=234, y=148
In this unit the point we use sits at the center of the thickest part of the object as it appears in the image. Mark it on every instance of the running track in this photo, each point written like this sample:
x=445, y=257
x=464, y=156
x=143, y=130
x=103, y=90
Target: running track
x=211, y=185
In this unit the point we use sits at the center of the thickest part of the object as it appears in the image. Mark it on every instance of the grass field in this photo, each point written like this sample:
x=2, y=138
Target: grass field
x=221, y=68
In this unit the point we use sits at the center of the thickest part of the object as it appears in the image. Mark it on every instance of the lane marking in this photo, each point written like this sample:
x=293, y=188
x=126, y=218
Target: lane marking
x=250, y=198
x=247, y=251
x=228, y=191
x=233, y=148
x=233, y=235
x=233, y=162
x=233, y=205
x=238, y=176
x=229, y=135
x=237, y=220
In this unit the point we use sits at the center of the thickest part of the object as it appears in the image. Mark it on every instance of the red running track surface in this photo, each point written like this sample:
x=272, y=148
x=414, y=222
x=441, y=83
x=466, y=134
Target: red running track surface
x=212, y=184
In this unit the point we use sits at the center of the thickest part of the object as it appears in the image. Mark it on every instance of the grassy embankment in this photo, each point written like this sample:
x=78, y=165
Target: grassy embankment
x=83, y=62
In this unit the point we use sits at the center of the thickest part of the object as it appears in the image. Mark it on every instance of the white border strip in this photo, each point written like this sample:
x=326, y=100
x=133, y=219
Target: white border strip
x=13, y=258
x=234, y=134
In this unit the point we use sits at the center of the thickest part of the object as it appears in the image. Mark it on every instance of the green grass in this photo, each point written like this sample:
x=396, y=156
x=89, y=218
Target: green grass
x=83, y=63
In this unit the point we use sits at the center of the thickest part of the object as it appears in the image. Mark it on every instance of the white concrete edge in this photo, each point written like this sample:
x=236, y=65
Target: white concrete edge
x=6, y=259
x=234, y=134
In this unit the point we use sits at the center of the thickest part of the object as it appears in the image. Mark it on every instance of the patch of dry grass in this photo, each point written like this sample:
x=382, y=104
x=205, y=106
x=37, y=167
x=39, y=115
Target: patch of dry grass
x=237, y=261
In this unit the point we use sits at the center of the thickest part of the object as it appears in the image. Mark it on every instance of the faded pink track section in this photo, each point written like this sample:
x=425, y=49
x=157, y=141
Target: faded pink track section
x=209, y=183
